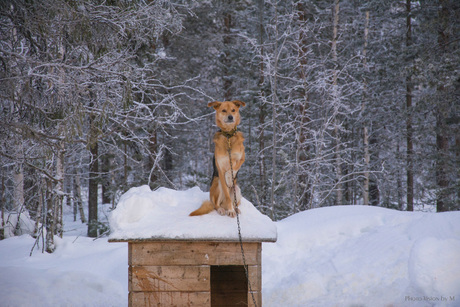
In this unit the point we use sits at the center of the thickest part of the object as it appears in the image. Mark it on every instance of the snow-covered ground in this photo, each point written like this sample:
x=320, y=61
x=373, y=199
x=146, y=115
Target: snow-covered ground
x=364, y=256
x=336, y=256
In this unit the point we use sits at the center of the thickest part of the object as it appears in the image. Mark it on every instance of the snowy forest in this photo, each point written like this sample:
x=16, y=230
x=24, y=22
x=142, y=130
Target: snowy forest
x=347, y=102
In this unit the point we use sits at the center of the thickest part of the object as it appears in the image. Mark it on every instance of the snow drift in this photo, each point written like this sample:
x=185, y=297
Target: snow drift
x=363, y=256
x=336, y=256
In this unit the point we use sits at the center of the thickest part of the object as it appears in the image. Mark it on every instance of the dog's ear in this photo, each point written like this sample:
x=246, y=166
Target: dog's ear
x=239, y=103
x=214, y=104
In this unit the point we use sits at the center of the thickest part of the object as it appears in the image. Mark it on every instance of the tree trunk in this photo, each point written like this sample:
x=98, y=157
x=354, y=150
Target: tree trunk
x=409, y=132
x=72, y=186
x=335, y=98
x=125, y=163
x=304, y=193
x=274, y=85
x=262, y=111
x=50, y=217
x=68, y=191
x=442, y=146
x=457, y=149
x=112, y=184
x=77, y=197
x=303, y=184
x=38, y=216
x=18, y=189
x=105, y=174
x=399, y=185
x=366, y=168
x=227, y=57
x=2, y=208
x=93, y=180
x=18, y=147
x=59, y=189
x=442, y=109
x=153, y=142
x=365, y=129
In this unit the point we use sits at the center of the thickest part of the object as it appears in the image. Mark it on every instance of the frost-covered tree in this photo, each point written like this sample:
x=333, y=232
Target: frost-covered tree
x=66, y=70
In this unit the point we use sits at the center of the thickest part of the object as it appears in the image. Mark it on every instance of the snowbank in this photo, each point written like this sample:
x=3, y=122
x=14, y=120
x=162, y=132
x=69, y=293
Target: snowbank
x=164, y=214
x=363, y=256
x=10, y=220
x=80, y=273
x=327, y=257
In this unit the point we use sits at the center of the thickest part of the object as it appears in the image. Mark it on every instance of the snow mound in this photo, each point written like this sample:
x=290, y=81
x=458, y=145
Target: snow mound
x=327, y=257
x=440, y=277
x=10, y=220
x=363, y=256
x=163, y=214
x=80, y=273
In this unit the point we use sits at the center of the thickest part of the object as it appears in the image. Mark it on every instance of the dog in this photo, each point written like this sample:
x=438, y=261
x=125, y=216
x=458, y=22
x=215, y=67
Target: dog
x=223, y=190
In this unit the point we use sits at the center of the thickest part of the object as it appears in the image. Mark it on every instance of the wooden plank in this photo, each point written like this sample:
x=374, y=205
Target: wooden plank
x=257, y=297
x=255, y=277
x=170, y=278
x=173, y=299
x=202, y=239
x=130, y=279
x=193, y=253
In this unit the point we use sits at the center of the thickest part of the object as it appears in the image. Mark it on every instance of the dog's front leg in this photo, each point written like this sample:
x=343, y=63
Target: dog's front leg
x=235, y=191
x=227, y=204
x=230, y=178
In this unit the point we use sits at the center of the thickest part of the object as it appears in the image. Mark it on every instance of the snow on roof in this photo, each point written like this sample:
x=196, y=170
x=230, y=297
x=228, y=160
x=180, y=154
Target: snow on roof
x=163, y=214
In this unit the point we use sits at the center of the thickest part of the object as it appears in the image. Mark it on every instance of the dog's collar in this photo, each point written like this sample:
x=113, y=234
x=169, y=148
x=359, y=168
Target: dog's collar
x=230, y=133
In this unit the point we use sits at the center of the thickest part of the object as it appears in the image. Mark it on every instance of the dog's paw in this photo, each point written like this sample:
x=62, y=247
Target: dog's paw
x=222, y=211
x=231, y=213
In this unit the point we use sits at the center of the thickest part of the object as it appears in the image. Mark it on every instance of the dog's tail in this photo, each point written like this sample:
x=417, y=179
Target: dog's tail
x=206, y=207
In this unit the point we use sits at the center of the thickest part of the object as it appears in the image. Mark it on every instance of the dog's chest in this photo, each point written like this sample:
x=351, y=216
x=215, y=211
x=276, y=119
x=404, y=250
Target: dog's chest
x=222, y=152
x=223, y=160
x=236, y=155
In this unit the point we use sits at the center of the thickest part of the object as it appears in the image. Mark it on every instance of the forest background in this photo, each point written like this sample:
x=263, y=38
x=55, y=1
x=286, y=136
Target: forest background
x=348, y=102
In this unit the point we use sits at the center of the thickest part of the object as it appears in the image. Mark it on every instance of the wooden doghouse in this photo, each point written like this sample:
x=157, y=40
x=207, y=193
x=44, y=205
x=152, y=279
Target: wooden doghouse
x=193, y=273
x=178, y=260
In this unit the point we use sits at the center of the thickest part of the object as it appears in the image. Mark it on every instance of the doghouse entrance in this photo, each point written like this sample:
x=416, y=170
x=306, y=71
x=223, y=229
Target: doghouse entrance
x=229, y=286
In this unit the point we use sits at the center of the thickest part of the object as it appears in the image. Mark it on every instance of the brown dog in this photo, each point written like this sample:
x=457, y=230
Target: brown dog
x=222, y=191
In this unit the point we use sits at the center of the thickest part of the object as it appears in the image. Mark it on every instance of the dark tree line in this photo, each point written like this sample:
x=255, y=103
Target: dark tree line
x=348, y=102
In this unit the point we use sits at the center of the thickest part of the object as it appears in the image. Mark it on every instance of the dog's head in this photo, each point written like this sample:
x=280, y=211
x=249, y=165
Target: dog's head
x=227, y=113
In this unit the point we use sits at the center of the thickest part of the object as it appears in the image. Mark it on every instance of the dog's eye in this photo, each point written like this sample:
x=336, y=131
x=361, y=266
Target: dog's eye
x=233, y=110
x=224, y=111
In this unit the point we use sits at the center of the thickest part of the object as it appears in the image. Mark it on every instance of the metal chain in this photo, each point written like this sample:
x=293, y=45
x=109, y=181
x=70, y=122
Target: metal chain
x=235, y=202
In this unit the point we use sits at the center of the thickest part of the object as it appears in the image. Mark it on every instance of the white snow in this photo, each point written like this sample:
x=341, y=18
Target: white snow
x=10, y=220
x=164, y=214
x=336, y=256
x=363, y=256
x=81, y=272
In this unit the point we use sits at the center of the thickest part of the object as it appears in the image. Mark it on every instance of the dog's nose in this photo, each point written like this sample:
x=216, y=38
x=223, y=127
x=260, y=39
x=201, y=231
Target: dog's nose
x=230, y=117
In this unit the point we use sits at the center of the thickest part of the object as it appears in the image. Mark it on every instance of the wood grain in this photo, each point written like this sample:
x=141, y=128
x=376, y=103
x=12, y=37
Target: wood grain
x=193, y=253
x=170, y=299
x=170, y=278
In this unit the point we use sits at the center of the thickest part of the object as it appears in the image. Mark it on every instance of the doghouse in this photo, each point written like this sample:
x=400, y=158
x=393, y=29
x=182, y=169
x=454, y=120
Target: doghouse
x=193, y=273
x=201, y=268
